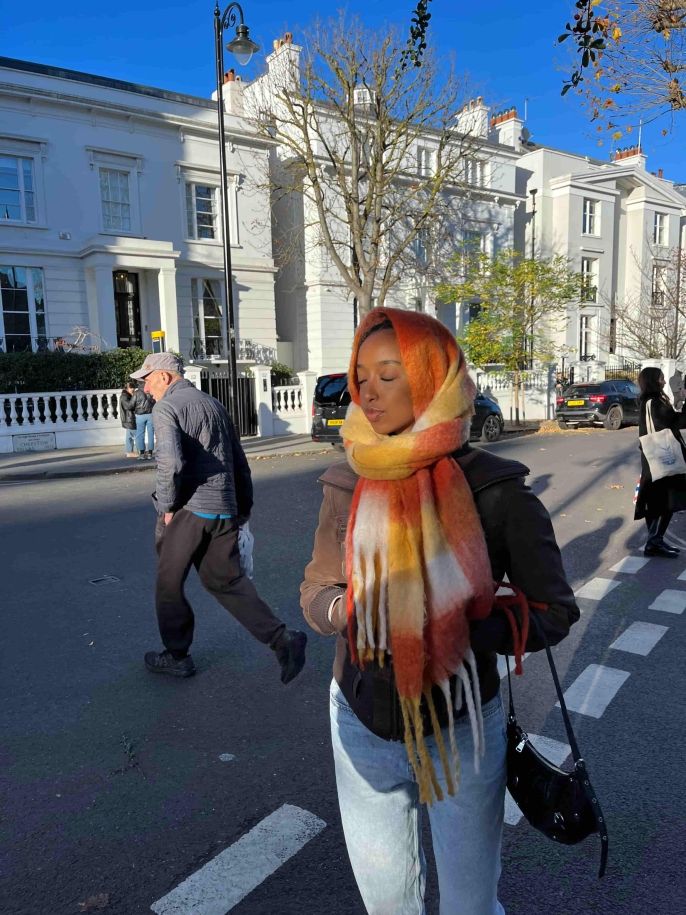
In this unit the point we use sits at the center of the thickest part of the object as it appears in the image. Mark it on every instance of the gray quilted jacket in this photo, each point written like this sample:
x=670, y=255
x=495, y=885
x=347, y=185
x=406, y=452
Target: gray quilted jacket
x=200, y=463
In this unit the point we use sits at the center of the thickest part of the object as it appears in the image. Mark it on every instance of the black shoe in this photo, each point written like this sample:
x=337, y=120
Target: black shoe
x=163, y=662
x=290, y=653
x=667, y=552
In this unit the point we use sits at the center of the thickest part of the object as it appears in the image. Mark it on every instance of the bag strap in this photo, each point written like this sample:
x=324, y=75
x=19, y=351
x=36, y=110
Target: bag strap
x=579, y=764
x=650, y=422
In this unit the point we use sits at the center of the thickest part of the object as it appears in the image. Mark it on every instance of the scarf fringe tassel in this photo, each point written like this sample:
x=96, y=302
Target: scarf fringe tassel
x=467, y=687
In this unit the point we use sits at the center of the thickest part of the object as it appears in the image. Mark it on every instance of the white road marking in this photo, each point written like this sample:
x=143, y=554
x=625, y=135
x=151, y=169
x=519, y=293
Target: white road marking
x=554, y=751
x=679, y=540
x=639, y=638
x=630, y=565
x=221, y=884
x=226, y=757
x=594, y=689
x=682, y=577
x=502, y=666
x=597, y=588
x=670, y=601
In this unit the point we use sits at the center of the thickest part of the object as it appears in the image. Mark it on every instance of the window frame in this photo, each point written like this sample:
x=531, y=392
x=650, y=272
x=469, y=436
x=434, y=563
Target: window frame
x=192, y=215
x=23, y=218
x=660, y=229
x=116, y=170
x=32, y=310
x=590, y=217
x=589, y=291
x=198, y=313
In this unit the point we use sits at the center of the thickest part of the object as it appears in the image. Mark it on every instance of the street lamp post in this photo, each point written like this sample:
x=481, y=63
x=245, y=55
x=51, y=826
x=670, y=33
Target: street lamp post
x=533, y=193
x=242, y=48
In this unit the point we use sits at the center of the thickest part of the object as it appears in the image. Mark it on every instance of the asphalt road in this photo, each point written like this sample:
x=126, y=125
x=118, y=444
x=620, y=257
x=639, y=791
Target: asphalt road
x=119, y=785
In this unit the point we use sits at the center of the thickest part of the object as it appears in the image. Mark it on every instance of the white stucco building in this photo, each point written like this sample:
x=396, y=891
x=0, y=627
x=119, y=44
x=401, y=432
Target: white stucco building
x=618, y=225
x=109, y=202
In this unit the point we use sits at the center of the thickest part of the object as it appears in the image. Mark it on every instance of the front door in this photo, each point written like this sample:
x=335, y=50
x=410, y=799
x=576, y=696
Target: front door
x=127, y=308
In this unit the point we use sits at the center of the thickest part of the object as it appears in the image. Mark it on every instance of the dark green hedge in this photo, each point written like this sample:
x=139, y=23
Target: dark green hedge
x=26, y=373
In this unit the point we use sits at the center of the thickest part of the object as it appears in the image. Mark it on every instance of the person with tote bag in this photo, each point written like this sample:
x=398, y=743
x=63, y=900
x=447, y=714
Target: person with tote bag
x=658, y=499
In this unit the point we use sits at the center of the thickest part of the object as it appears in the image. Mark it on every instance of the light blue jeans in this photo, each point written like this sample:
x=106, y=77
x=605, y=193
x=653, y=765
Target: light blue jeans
x=129, y=439
x=381, y=815
x=143, y=422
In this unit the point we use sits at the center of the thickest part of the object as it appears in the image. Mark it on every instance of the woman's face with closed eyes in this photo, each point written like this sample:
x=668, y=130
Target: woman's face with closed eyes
x=385, y=395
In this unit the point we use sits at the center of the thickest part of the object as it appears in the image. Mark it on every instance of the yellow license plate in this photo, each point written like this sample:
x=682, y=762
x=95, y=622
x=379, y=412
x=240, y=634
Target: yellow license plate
x=334, y=422
x=575, y=403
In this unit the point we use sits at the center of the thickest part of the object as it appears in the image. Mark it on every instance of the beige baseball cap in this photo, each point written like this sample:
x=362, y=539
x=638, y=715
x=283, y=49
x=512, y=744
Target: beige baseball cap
x=159, y=362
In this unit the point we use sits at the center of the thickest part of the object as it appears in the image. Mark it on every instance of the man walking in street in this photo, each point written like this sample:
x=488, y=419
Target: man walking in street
x=203, y=493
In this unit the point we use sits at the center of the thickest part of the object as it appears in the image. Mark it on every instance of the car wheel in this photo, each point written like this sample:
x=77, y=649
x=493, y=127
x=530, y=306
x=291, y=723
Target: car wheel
x=562, y=423
x=490, y=431
x=613, y=420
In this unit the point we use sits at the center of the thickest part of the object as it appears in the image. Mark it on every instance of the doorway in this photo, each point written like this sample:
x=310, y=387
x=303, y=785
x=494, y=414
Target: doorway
x=127, y=309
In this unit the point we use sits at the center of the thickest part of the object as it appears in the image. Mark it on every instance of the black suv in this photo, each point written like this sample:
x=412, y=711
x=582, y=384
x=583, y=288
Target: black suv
x=606, y=403
x=331, y=400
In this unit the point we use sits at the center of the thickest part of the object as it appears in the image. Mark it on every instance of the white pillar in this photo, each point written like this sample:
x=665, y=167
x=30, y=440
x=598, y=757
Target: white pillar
x=308, y=382
x=192, y=373
x=101, y=314
x=169, y=315
x=263, y=399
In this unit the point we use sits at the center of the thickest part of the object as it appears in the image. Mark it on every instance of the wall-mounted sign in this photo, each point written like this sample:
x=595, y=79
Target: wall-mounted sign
x=34, y=441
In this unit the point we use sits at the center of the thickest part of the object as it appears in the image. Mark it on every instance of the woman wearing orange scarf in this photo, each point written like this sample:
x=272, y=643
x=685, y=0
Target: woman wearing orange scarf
x=413, y=534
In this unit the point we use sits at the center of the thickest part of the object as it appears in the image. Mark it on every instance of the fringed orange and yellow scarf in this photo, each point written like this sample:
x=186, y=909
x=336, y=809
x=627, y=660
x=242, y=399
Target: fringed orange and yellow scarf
x=418, y=568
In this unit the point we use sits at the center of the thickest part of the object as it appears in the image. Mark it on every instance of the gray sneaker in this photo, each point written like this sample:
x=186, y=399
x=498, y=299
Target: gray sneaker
x=163, y=662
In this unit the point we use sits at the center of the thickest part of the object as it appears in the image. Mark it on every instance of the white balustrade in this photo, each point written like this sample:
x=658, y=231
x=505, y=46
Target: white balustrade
x=49, y=409
x=287, y=400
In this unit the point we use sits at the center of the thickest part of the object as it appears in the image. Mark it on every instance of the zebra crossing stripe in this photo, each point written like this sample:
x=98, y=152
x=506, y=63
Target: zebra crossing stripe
x=639, y=638
x=597, y=588
x=594, y=689
x=670, y=601
x=221, y=883
x=630, y=565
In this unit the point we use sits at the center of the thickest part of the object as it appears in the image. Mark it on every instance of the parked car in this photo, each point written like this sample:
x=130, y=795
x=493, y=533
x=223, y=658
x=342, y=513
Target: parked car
x=331, y=400
x=604, y=403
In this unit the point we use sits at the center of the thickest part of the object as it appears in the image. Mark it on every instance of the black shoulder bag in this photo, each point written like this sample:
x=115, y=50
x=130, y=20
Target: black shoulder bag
x=562, y=805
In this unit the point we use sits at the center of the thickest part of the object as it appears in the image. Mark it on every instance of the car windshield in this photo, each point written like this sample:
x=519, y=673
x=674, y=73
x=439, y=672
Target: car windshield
x=329, y=389
x=582, y=390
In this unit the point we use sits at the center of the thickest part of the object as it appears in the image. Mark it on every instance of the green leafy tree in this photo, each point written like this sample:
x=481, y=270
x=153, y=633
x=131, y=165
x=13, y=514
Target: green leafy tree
x=517, y=304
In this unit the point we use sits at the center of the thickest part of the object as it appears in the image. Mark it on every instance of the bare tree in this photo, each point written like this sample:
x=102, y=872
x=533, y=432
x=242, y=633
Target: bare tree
x=631, y=60
x=375, y=149
x=653, y=323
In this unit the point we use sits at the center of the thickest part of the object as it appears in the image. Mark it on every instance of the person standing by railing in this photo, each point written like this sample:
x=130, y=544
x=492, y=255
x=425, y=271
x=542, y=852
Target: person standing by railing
x=144, y=424
x=127, y=415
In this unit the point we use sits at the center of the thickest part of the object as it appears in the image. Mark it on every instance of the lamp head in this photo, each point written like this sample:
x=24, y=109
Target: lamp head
x=242, y=46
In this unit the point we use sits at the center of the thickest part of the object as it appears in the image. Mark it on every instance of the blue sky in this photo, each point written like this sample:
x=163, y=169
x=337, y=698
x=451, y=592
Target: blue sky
x=507, y=48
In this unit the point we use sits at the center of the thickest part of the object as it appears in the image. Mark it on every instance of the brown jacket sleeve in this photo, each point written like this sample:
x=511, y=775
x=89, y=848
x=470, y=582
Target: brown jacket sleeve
x=325, y=574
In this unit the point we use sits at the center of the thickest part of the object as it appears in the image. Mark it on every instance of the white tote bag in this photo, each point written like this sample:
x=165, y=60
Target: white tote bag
x=662, y=450
x=246, y=541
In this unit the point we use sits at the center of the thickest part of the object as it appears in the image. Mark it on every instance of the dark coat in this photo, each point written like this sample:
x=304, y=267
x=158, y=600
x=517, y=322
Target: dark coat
x=200, y=463
x=127, y=409
x=143, y=403
x=669, y=494
x=521, y=544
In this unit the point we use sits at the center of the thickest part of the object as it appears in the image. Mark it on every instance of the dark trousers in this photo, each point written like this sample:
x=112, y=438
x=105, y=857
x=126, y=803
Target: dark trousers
x=211, y=545
x=657, y=528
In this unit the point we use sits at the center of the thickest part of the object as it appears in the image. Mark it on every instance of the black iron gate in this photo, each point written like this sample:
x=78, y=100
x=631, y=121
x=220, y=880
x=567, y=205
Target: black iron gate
x=627, y=371
x=217, y=385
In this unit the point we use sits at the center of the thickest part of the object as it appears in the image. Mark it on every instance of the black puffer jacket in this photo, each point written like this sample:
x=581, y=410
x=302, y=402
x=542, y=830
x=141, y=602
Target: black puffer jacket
x=143, y=403
x=521, y=544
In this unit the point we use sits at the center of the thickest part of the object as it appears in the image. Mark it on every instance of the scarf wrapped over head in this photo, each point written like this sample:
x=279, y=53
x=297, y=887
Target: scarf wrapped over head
x=417, y=566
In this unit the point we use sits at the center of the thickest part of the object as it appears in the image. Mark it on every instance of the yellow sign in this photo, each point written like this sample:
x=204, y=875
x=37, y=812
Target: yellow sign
x=157, y=334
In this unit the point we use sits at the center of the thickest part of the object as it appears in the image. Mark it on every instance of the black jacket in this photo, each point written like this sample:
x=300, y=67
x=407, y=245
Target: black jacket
x=668, y=494
x=127, y=409
x=521, y=545
x=143, y=403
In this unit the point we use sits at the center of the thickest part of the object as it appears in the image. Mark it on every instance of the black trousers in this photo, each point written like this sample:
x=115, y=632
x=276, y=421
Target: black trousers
x=211, y=545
